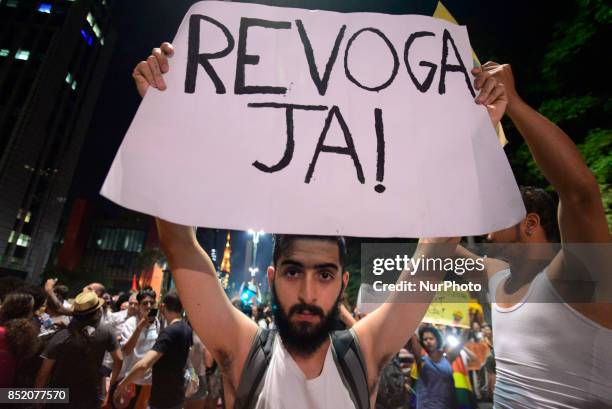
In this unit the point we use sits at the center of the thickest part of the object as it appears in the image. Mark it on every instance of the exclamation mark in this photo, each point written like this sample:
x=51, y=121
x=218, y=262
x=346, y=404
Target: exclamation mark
x=380, y=150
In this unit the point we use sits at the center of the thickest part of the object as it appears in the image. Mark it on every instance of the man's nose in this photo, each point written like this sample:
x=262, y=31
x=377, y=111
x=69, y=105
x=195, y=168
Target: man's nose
x=308, y=289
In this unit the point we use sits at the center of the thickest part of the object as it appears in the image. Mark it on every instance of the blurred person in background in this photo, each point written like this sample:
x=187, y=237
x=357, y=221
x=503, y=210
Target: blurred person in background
x=138, y=335
x=166, y=360
x=73, y=357
x=435, y=387
x=18, y=336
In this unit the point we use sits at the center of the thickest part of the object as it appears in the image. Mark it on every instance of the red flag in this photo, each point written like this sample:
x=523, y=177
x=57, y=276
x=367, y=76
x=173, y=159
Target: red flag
x=134, y=285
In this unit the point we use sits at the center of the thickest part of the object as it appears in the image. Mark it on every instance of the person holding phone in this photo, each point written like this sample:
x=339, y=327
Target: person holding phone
x=138, y=335
x=166, y=360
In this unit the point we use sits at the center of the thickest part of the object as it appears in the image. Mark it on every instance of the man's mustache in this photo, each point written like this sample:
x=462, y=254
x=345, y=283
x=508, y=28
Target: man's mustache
x=306, y=308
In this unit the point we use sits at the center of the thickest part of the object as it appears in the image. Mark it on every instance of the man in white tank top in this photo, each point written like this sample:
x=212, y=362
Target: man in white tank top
x=308, y=278
x=552, y=310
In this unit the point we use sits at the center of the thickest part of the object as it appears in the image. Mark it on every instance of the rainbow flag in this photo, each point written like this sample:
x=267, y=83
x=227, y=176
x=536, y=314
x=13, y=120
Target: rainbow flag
x=463, y=389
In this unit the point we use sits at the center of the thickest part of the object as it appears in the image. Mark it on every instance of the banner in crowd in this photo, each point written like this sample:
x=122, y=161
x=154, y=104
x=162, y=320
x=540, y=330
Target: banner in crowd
x=316, y=122
x=449, y=308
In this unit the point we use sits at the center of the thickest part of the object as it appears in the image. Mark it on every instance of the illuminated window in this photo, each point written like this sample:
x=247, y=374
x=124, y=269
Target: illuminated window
x=97, y=31
x=4, y=52
x=11, y=237
x=68, y=78
x=74, y=85
x=23, y=240
x=12, y=3
x=86, y=36
x=28, y=217
x=90, y=19
x=101, y=40
x=44, y=8
x=22, y=55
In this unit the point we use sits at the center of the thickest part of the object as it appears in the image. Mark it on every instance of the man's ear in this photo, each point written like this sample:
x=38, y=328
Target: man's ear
x=271, y=273
x=531, y=224
x=345, y=280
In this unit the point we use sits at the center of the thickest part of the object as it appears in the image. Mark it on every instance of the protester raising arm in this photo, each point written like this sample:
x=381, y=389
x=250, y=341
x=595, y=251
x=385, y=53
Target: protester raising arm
x=52, y=297
x=581, y=214
x=383, y=332
x=386, y=330
x=225, y=331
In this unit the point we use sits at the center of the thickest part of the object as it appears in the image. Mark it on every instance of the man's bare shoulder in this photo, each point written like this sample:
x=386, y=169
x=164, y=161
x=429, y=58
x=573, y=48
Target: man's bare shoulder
x=494, y=265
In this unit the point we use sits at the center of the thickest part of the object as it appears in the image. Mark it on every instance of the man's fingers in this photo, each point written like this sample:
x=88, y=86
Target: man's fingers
x=167, y=49
x=487, y=87
x=497, y=91
x=162, y=60
x=143, y=70
x=481, y=77
x=490, y=64
x=154, y=65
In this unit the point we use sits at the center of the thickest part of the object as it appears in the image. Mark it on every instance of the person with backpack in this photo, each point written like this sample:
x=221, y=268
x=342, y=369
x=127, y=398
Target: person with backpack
x=305, y=363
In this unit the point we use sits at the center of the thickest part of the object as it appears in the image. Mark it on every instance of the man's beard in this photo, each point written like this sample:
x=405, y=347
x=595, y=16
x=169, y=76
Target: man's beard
x=304, y=338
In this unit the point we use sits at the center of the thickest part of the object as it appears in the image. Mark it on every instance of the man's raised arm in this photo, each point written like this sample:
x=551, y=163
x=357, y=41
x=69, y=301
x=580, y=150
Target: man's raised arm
x=581, y=213
x=222, y=328
x=387, y=329
x=225, y=331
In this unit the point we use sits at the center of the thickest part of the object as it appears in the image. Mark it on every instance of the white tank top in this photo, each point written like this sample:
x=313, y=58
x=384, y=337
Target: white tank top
x=285, y=385
x=547, y=354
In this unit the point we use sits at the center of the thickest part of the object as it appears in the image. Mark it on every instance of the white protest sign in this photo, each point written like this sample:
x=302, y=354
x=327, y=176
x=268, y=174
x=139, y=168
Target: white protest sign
x=316, y=122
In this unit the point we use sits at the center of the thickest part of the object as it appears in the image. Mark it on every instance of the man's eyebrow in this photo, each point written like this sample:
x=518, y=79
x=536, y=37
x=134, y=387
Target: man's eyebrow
x=289, y=262
x=295, y=263
x=326, y=265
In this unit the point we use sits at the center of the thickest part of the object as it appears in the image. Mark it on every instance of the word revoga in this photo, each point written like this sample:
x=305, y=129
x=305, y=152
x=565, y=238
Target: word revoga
x=319, y=81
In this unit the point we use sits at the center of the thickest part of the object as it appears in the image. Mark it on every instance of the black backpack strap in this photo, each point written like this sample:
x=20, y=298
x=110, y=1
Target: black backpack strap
x=255, y=367
x=352, y=368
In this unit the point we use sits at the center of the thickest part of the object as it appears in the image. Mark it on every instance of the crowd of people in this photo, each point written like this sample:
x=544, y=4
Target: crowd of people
x=126, y=350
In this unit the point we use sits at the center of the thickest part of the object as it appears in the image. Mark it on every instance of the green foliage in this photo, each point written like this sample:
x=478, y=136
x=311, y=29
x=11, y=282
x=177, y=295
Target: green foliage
x=597, y=153
x=591, y=20
x=566, y=109
x=574, y=96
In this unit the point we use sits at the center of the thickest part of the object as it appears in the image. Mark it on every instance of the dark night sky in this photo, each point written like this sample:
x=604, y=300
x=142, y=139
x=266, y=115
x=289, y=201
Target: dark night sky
x=507, y=31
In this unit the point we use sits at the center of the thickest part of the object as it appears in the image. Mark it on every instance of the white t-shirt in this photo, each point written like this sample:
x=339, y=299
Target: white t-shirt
x=285, y=385
x=145, y=342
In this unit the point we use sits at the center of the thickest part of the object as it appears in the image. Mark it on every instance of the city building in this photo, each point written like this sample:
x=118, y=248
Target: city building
x=53, y=57
x=92, y=245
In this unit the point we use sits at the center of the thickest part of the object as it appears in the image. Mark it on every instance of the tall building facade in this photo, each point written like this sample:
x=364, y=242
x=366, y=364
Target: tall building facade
x=53, y=58
x=94, y=246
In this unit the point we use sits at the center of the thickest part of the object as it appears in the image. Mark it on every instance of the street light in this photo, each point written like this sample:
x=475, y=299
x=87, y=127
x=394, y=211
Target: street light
x=253, y=271
x=256, y=235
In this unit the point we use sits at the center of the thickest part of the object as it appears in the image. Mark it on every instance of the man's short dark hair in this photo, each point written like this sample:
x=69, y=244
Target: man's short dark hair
x=433, y=330
x=540, y=202
x=172, y=302
x=283, y=243
x=145, y=292
x=61, y=291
